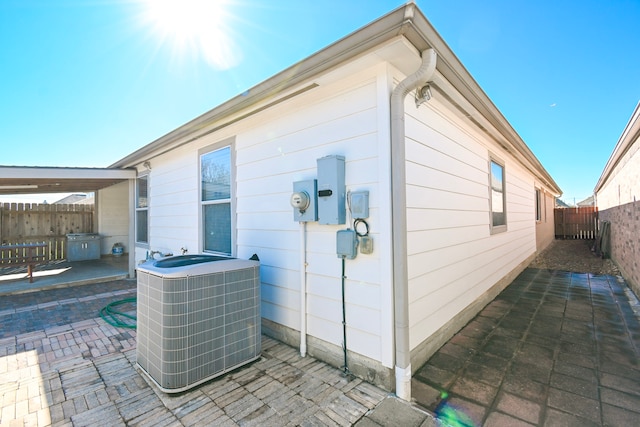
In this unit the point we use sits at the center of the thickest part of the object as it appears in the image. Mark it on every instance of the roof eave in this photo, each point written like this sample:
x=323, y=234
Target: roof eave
x=407, y=21
x=629, y=136
x=383, y=29
x=37, y=180
x=450, y=67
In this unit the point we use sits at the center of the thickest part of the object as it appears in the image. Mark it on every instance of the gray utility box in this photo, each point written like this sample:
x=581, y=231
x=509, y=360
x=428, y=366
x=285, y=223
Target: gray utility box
x=331, y=190
x=83, y=246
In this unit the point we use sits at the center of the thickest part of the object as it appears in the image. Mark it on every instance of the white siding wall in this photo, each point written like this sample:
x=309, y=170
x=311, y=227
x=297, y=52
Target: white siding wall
x=453, y=259
x=282, y=147
x=173, y=202
x=272, y=150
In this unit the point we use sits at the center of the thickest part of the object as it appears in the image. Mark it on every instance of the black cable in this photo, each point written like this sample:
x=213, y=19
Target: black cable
x=355, y=227
x=344, y=322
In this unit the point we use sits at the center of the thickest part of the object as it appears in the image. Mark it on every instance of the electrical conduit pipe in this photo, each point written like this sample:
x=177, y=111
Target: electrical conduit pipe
x=399, y=222
x=303, y=289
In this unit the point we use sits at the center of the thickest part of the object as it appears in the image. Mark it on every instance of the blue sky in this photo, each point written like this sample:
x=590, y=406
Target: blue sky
x=86, y=82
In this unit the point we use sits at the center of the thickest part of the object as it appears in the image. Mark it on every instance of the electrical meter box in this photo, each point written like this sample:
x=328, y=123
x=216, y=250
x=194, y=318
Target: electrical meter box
x=331, y=190
x=304, y=201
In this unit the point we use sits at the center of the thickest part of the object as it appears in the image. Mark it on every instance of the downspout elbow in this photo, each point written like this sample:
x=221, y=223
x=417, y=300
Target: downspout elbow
x=399, y=221
x=422, y=75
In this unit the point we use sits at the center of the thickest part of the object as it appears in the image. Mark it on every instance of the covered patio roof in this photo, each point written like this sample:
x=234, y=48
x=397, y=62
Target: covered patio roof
x=37, y=180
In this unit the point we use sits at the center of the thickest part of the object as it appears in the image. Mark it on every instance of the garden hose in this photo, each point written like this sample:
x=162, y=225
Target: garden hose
x=118, y=318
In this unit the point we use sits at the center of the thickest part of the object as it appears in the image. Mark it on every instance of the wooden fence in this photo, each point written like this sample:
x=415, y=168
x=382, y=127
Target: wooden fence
x=576, y=223
x=36, y=223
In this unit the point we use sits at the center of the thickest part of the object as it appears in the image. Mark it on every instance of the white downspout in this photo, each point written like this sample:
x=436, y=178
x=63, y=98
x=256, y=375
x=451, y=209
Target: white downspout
x=303, y=288
x=399, y=221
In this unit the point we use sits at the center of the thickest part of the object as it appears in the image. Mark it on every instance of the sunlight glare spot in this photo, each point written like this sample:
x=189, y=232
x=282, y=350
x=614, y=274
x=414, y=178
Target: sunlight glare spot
x=196, y=27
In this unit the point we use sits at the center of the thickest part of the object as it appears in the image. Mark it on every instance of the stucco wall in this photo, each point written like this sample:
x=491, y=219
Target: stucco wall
x=113, y=220
x=545, y=229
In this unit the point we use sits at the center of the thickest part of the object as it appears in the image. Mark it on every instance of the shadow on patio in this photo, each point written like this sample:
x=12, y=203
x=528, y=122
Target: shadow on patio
x=63, y=274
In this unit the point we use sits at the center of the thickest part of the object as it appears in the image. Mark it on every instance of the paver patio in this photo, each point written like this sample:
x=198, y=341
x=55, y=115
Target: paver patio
x=553, y=349
x=83, y=373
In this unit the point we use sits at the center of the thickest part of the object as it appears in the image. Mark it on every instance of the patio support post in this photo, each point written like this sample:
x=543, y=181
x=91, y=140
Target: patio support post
x=132, y=228
x=399, y=222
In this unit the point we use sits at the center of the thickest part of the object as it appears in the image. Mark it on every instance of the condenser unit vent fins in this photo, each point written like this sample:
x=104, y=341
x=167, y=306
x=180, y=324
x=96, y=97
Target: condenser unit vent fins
x=196, y=327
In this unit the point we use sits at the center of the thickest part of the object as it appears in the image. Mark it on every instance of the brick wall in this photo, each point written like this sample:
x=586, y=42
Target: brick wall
x=625, y=240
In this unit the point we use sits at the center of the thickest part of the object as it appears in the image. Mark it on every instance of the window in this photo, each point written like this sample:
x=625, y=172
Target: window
x=498, y=199
x=538, y=196
x=215, y=175
x=142, y=209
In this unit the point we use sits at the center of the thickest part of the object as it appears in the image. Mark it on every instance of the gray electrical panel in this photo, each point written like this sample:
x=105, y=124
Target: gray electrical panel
x=331, y=190
x=359, y=204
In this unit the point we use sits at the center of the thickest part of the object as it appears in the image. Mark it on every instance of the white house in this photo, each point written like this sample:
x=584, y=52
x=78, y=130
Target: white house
x=457, y=203
x=617, y=193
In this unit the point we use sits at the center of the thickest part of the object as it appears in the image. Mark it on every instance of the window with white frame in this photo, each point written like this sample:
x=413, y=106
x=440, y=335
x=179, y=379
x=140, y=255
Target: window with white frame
x=498, y=196
x=215, y=177
x=142, y=209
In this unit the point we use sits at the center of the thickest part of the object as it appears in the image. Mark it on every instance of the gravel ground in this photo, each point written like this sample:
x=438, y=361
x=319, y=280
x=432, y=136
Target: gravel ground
x=576, y=256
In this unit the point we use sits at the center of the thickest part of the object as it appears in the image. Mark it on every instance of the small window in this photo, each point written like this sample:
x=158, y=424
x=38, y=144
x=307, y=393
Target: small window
x=538, y=197
x=498, y=197
x=142, y=209
x=215, y=173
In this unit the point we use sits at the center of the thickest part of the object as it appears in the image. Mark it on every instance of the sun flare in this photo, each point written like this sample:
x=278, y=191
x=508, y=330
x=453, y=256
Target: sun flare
x=194, y=27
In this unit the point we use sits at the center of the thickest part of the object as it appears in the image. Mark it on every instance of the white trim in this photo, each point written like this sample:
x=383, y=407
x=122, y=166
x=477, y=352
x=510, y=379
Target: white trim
x=495, y=229
x=228, y=142
x=384, y=87
x=132, y=228
x=137, y=209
